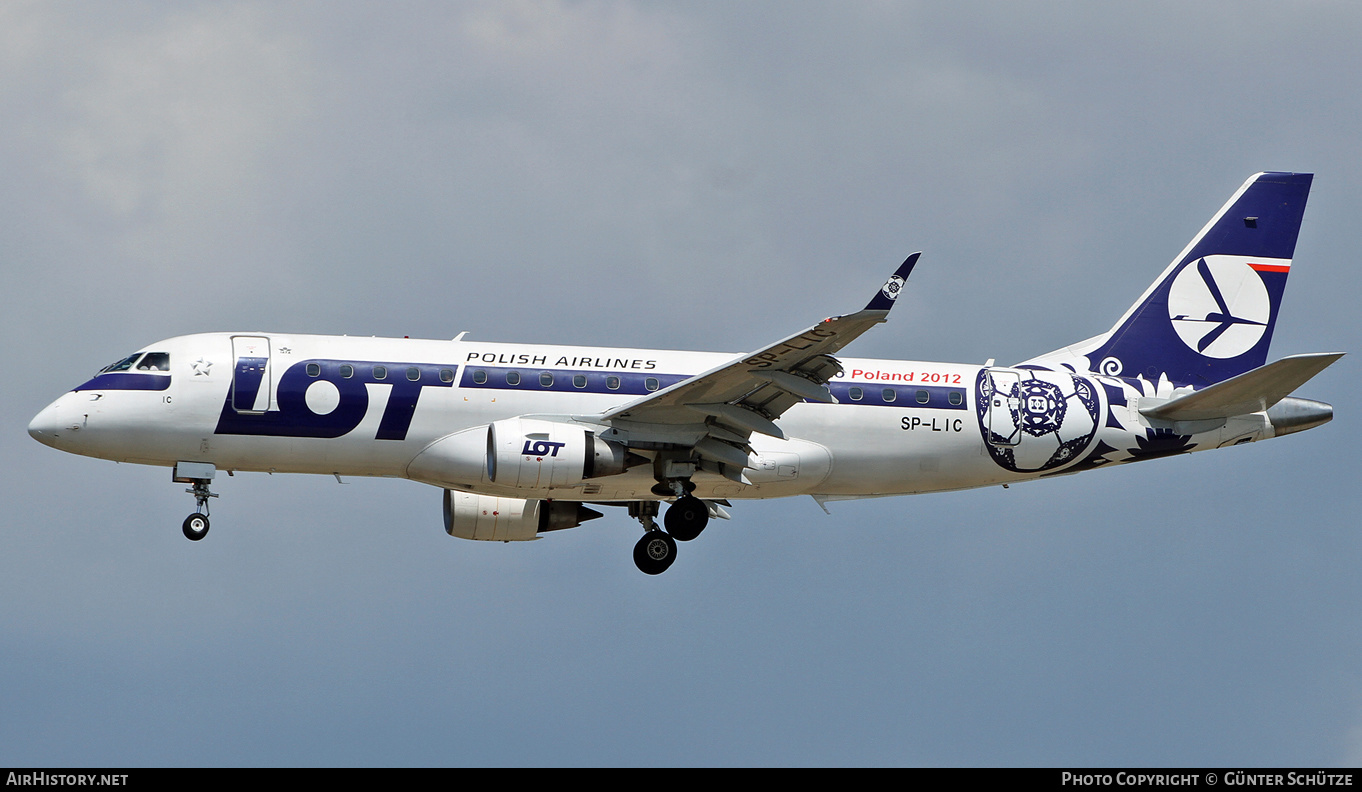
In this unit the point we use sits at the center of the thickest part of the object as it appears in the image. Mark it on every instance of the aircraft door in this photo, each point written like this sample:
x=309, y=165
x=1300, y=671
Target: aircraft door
x=1002, y=389
x=251, y=386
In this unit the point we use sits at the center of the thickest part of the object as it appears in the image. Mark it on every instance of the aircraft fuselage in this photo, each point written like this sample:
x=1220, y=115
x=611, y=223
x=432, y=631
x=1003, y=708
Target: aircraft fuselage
x=371, y=406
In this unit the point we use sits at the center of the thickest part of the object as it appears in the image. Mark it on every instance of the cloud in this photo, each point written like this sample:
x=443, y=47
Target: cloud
x=161, y=122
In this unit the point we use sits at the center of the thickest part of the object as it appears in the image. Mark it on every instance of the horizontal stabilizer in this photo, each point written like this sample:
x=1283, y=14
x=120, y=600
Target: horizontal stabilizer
x=1251, y=392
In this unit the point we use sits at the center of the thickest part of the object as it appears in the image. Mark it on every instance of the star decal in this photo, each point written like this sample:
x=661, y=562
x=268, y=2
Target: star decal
x=201, y=367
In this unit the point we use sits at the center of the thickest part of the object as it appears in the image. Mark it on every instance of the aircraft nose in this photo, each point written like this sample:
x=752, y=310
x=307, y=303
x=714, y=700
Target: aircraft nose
x=47, y=426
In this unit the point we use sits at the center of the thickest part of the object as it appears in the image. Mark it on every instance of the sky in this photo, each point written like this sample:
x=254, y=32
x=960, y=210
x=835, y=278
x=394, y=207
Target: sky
x=709, y=176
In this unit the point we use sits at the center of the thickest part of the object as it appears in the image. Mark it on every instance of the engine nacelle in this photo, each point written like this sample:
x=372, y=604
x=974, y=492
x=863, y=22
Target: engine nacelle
x=489, y=518
x=529, y=453
x=521, y=453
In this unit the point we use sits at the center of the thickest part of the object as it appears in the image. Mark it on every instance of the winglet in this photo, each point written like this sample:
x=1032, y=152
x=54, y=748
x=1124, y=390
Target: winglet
x=884, y=300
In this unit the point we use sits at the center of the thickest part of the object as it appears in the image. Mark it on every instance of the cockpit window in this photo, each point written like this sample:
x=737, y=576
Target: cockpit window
x=154, y=361
x=122, y=365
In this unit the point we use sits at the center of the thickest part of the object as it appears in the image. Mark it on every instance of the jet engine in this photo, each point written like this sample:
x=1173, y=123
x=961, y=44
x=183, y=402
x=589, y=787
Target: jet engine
x=521, y=453
x=531, y=453
x=489, y=518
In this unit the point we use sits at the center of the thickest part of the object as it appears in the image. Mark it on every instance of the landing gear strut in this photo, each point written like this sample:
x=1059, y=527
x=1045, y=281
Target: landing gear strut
x=196, y=525
x=199, y=475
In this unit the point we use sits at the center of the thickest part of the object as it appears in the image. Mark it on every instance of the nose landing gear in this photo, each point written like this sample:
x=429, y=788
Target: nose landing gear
x=198, y=475
x=196, y=525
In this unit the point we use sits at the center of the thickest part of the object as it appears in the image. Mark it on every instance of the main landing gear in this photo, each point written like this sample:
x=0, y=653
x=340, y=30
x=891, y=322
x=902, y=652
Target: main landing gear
x=685, y=519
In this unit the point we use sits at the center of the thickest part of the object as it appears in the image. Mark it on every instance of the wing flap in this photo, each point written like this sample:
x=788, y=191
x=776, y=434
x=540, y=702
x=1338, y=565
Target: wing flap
x=743, y=418
x=803, y=387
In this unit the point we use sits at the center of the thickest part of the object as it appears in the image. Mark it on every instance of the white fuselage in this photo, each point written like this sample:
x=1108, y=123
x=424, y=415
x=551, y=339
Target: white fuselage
x=370, y=406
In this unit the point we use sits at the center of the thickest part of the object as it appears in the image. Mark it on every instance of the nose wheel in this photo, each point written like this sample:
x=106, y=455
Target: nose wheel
x=195, y=526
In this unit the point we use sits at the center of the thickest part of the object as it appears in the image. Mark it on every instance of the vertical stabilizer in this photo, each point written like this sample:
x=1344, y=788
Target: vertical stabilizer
x=1210, y=315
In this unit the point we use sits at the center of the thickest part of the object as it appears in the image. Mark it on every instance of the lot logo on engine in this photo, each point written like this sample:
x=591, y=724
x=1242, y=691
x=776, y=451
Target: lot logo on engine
x=541, y=448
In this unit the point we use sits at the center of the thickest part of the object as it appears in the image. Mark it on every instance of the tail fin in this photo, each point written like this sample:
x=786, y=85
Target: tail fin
x=1210, y=315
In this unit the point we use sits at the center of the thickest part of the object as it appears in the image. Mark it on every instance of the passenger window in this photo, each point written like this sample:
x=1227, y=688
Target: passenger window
x=612, y=382
x=856, y=394
x=579, y=381
x=314, y=370
x=651, y=383
x=546, y=379
x=956, y=398
x=479, y=377
x=446, y=375
x=923, y=397
x=513, y=378
x=888, y=394
x=155, y=361
x=413, y=373
x=347, y=371
x=380, y=372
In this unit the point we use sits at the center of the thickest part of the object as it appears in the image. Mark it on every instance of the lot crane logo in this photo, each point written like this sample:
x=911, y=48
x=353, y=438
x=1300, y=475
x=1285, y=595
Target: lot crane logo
x=892, y=287
x=1219, y=306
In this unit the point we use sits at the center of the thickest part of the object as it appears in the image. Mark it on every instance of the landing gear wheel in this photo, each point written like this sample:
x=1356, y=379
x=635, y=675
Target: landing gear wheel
x=654, y=553
x=195, y=526
x=686, y=518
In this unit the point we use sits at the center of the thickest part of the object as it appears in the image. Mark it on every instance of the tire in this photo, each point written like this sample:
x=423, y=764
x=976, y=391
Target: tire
x=195, y=526
x=686, y=518
x=654, y=553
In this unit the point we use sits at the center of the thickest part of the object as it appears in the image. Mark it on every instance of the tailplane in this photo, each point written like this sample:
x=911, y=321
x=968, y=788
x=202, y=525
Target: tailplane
x=1210, y=315
x=1257, y=391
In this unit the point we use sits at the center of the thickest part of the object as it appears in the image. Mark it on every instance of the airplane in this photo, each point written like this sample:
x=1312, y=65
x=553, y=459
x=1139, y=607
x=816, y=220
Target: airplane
x=524, y=439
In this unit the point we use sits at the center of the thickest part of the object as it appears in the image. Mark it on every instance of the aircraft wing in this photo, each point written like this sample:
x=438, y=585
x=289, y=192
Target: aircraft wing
x=717, y=411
